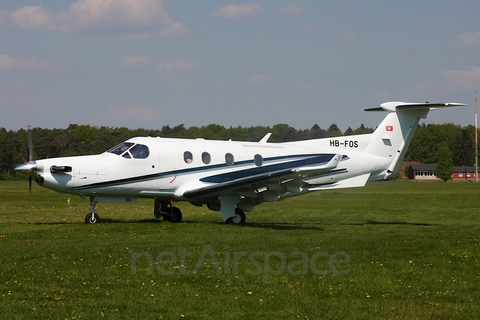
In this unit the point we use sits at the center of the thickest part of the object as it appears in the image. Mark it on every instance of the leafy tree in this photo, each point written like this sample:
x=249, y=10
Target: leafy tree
x=427, y=139
x=302, y=134
x=175, y=132
x=282, y=132
x=444, y=163
x=213, y=131
x=348, y=132
x=317, y=133
x=463, y=148
x=425, y=144
x=333, y=131
x=14, y=150
x=362, y=130
x=237, y=134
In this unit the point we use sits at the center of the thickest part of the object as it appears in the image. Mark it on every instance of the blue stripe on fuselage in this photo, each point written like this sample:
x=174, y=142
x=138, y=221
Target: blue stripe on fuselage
x=299, y=160
x=306, y=161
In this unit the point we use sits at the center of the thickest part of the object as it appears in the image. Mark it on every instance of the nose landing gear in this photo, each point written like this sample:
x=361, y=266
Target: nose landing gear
x=92, y=217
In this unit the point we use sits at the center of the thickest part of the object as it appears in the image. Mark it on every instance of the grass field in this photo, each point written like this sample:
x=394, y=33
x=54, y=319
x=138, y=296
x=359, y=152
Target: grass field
x=401, y=249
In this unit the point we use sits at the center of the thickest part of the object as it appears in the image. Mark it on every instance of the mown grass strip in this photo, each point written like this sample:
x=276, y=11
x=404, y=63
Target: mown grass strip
x=389, y=250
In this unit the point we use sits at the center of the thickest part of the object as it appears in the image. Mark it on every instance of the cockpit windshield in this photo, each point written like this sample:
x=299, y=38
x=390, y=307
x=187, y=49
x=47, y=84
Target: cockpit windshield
x=130, y=150
x=121, y=148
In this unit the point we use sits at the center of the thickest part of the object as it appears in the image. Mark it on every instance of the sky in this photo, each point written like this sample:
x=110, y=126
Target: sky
x=152, y=63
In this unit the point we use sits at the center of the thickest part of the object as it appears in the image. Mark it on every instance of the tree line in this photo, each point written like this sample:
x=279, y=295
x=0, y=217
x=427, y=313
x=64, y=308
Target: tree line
x=86, y=139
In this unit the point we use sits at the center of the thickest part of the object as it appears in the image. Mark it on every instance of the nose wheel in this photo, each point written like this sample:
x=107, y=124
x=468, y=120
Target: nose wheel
x=92, y=217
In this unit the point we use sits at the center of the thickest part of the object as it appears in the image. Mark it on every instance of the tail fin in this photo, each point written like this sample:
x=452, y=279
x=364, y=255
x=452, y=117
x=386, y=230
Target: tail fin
x=393, y=136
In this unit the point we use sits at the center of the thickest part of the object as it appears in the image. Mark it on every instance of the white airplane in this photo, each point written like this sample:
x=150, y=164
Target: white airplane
x=231, y=176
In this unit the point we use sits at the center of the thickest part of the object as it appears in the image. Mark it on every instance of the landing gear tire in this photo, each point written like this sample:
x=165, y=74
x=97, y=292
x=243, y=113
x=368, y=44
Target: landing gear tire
x=238, y=219
x=92, y=218
x=173, y=214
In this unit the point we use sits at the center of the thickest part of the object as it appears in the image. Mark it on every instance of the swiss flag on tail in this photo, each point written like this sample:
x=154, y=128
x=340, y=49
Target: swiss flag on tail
x=389, y=128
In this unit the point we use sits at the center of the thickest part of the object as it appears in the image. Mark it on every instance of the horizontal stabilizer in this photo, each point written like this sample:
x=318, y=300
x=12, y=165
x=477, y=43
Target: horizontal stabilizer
x=396, y=105
x=358, y=181
x=315, y=170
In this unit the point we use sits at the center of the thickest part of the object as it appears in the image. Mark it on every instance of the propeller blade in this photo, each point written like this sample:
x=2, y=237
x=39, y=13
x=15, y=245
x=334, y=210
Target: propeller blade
x=30, y=144
x=29, y=168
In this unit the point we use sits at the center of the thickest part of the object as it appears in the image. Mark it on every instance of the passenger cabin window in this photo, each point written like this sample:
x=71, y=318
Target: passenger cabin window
x=130, y=150
x=187, y=157
x=258, y=159
x=206, y=158
x=229, y=159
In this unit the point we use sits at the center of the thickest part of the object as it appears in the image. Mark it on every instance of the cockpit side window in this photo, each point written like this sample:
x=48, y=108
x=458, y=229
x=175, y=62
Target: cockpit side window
x=140, y=151
x=121, y=148
x=130, y=150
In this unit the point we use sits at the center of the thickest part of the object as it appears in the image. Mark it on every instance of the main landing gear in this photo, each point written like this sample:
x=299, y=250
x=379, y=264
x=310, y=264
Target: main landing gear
x=165, y=209
x=238, y=219
x=231, y=214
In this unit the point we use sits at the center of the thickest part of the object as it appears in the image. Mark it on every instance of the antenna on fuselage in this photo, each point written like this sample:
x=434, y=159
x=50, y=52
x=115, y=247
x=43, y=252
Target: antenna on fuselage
x=265, y=138
x=476, y=137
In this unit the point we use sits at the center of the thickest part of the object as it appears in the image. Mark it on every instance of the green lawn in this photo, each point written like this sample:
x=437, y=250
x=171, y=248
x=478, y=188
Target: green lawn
x=403, y=249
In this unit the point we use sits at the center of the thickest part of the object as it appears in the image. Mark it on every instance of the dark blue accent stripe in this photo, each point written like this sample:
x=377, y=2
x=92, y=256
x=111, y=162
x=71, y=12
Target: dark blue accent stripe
x=229, y=176
x=305, y=160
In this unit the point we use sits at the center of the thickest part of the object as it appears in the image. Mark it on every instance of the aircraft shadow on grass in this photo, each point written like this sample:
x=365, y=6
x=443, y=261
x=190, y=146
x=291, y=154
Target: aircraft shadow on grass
x=271, y=225
x=397, y=223
x=281, y=226
x=106, y=220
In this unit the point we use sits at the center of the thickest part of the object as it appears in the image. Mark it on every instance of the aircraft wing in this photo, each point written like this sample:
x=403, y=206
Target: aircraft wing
x=250, y=181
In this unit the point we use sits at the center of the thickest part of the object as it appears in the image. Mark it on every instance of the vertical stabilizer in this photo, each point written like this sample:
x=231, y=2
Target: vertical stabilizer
x=393, y=136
